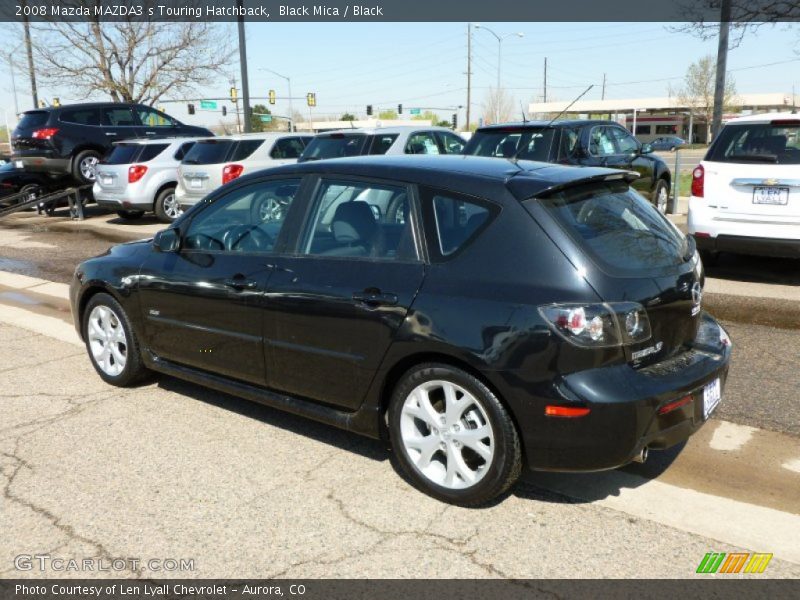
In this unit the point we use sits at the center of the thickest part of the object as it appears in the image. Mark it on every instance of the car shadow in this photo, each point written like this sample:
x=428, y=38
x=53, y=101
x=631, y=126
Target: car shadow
x=755, y=269
x=320, y=432
x=580, y=488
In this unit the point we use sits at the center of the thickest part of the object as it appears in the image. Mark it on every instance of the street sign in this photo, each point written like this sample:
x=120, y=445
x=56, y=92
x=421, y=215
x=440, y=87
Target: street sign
x=414, y=111
x=265, y=118
x=208, y=105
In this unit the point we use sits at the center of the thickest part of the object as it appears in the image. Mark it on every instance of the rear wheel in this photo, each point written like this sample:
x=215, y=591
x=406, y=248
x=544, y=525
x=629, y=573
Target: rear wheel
x=111, y=342
x=166, y=206
x=661, y=196
x=452, y=436
x=130, y=215
x=31, y=192
x=83, y=167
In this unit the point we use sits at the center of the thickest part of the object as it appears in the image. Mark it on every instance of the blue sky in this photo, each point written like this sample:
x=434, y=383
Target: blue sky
x=350, y=65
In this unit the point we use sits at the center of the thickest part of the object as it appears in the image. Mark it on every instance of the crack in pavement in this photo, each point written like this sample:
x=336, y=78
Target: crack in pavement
x=44, y=362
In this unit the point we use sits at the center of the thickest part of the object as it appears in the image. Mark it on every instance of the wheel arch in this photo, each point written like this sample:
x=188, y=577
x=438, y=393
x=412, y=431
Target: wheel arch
x=161, y=187
x=90, y=291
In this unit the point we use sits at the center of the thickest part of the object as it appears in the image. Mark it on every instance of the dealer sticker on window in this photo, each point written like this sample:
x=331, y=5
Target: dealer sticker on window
x=712, y=394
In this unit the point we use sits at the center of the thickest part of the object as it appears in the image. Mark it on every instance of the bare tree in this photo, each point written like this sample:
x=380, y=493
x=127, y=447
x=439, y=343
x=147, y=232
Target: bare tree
x=702, y=16
x=130, y=60
x=498, y=106
x=697, y=90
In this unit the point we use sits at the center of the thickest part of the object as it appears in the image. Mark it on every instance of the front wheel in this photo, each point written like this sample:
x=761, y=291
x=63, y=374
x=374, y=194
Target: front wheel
x=111, y=342
x=661, y=196
x=452, y=436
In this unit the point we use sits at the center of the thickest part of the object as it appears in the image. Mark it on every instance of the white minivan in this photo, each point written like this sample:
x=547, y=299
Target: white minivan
x=746, y=191
x=215, y=161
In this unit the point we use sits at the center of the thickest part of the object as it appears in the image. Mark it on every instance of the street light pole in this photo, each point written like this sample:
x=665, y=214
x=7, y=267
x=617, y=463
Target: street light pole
x=499, y=39
x=248, y=127
x=289, y=84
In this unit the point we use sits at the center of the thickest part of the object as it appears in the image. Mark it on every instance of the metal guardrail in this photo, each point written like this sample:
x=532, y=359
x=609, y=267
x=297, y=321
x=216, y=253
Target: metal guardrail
x=74, y=195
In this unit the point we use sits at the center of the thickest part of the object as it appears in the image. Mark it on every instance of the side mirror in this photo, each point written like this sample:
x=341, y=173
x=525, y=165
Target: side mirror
x=646, y=149
x=168, y=240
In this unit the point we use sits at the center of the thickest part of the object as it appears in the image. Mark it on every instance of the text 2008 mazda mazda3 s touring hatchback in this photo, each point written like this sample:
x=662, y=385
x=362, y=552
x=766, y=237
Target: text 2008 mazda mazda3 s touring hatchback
x=480, y=314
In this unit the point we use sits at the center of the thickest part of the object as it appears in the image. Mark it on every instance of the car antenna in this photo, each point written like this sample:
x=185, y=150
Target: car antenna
x=522, y=108
x=553, y=120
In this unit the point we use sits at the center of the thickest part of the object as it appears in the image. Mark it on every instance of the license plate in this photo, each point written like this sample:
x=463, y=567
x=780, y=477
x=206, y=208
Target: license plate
x=771, y=195
x=19, y=164
x=195, y=183
x=106, y=180
x=712, y=393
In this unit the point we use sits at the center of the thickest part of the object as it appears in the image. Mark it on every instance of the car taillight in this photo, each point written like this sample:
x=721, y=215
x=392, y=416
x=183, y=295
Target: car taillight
x=45, y=134
x=231, y=172
x=136, y=172
x=698, y=181
x=599, y=325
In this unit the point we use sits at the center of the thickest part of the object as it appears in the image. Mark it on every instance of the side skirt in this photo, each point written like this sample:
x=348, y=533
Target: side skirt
x=363, y=421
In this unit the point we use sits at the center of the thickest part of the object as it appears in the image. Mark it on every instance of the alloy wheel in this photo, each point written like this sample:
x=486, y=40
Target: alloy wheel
x=87, y=167
x=171, y=206
x=447, y=435
x=662, y=198
x=107, y=340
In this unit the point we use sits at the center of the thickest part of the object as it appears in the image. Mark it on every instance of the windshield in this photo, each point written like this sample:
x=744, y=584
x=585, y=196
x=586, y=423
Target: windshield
x=617, y=227
x=524, y=143
x=334, y=146
x=208, y=152
x=32, y=119
x=776, y=143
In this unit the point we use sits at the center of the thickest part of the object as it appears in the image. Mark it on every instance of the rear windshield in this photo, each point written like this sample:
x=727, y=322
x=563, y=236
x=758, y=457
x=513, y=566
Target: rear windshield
x=334, y=146
x=122, y=154
x=618, y=228
x=770, y=143
x=208, y=152
x=32, y=119
x=523, y=143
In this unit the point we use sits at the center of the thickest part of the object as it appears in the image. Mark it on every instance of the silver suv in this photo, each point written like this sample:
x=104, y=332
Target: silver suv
x=216, y=161
x=141, y=175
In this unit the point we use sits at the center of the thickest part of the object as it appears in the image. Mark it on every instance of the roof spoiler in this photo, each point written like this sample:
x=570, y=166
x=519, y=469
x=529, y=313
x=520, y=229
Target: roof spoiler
x=626, y=176
x=524, y=188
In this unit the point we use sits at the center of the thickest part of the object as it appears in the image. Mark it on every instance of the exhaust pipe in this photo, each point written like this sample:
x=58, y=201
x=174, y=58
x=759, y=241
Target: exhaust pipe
x=641, y=456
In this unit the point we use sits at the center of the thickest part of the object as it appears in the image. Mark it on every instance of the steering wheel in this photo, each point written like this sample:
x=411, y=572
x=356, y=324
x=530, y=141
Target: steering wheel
x=247, y=238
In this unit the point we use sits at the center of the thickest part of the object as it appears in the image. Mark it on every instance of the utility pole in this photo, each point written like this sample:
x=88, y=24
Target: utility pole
x=722, y=61
x=545, y=79
x=236, y=108
x=469, y=71
x=603, y=95
x=243, y=63
x=29, y=49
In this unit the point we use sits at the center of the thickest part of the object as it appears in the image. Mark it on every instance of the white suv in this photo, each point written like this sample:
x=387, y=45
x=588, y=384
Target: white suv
x=141, y=175
x=746, y=192
x=215, y=161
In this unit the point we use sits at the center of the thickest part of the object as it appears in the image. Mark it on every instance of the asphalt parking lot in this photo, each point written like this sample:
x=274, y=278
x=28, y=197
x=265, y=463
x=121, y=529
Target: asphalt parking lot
x=172, y=470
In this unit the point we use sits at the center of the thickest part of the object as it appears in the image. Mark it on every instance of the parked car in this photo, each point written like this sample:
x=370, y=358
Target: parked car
x=383, y=140
x=669, y=143
x=71, y=139
x=578, y=142
x=217, y=161
x=516, y=313
x=141, y=176
x=15, y=181
x=746, y=191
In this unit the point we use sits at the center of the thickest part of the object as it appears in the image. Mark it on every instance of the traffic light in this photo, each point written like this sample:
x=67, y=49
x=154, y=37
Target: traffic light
x=234, y=95
x=455, y=121
x=224, y=111
x=399, y=109
x=311, y=98
x=369, y=110
x=42, y=104
x=191, y=109
x=56, y=102
x=272, y=96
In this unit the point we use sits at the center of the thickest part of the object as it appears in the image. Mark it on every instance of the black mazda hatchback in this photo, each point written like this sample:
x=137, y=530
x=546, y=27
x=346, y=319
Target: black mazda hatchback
x=480, y=314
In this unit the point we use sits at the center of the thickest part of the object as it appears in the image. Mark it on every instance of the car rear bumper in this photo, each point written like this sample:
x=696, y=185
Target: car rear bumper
x=757, y=246
x=624, y=405
x=121, y=199
x=40, y=163
x=185, y=199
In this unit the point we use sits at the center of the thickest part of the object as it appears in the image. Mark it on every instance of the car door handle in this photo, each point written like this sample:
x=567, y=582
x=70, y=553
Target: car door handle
x=110, y=133
x=375, y=298
x=240, y=283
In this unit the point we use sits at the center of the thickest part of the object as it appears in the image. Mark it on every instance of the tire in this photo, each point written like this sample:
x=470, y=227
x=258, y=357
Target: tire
x=83, y=166
x=709, y=258
x=166, y=206
x=660, y=197
x=130, y=215
x=32, y=191
x=447, y=461
x=111, y=342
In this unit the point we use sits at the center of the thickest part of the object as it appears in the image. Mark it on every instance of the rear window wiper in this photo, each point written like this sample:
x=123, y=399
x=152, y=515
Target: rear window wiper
x=770, y=158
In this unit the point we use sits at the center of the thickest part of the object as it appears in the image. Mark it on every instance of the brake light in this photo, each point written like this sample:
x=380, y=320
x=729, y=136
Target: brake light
x=599, y=325
x=565, y=411
x=45, y=134
x=231, y=172
x=136, y=172
x=668, y=408
x=698, y=181
x=785, y=122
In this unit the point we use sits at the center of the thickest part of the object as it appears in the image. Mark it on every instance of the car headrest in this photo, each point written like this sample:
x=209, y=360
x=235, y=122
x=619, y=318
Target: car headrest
x=353, y=222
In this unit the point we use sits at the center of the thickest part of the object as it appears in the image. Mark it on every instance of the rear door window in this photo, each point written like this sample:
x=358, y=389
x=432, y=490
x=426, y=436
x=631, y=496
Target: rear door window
x=616, y=227
x=336, y=145
x=770, y=143
x=287, y=148
x=122, y=154
x=117, y=117
x=422, y=143
x=81, y=116
x=208, y=152
x=150, y=151
x=382, y=143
